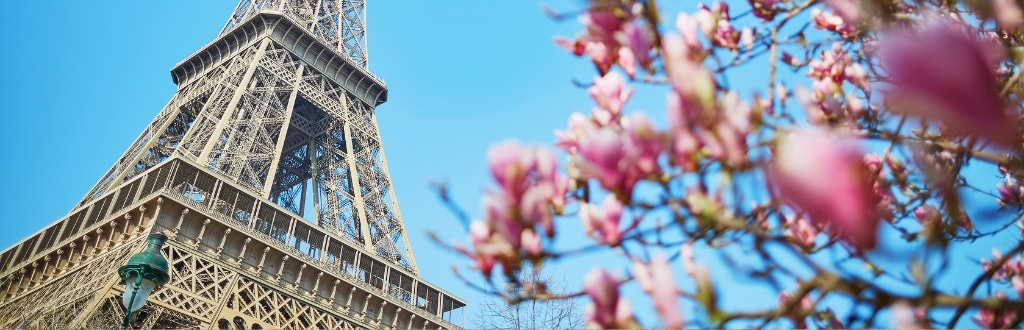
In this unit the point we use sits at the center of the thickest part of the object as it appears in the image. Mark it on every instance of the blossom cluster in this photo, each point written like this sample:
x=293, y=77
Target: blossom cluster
x=894, y=103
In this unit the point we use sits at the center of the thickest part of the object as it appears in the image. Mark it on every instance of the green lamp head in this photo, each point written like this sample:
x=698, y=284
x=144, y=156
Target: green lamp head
x=145, y=271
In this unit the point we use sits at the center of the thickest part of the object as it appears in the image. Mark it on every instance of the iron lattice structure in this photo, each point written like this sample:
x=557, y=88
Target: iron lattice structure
x=267, y=171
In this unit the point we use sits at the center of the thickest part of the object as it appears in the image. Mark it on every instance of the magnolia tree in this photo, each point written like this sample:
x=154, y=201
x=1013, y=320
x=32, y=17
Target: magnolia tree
x=873, y=131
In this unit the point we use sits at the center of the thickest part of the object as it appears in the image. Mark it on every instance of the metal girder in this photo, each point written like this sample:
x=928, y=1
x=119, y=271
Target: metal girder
x=253, y=99
x=338, y=23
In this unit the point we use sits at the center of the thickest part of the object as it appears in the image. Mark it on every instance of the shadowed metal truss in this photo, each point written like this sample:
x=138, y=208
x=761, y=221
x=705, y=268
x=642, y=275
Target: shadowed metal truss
x=340, y=24
x=283, y=104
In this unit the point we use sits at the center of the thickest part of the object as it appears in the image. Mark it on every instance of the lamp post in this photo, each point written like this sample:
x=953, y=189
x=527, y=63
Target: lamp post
x=145, y=271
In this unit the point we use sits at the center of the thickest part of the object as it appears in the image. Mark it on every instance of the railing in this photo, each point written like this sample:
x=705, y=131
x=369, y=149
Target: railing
x=285, y=244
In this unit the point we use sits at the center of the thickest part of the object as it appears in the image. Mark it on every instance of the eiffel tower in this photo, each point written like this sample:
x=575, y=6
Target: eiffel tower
x=267, y=173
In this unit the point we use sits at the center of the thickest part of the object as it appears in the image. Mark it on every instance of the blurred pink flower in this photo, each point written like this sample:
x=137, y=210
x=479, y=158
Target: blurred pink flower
x=714, y=24
x=849, y=10
x=1011, y=193
x=687, y=28
x=610, y=93
x=802, y=232
x=531, y=192
x=656, y=280
x=747, y=37
x=600, y=24
x=645, y=144
x=945, y=75
x=569, y=139
x=531, y=242
x=603, y=153
x=487, y=249
x=721, y=132
x=995, y=319
x=927, y=213
x=830, y=22
x=510, y=164
x=726, y=36
x=689, y=78
x=789, y=59
x=1011, y=268
x=822, y=176
x=577, y=47
x=638, y=40
x=606, y=309
x=602, y=54
x=627, y=61
x=604, y=224
x=1007, y=14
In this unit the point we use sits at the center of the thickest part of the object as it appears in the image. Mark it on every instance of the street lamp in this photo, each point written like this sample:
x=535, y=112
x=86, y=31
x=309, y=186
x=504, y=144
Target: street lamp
x=145, y=271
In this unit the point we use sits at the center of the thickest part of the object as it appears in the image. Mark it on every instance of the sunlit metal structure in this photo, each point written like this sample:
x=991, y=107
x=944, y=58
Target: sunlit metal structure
x=267, y=172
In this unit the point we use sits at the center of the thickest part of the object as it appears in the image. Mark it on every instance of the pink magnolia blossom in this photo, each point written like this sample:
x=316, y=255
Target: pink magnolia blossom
x=645, y=144
x=1011, y=193
x=945, y=75
x=531, y=242
x=638, y=41
x=726, y=36
x=789, y=59
x=849, y=10
x=820, y=175
x=830, y=22
x=606, y=308
x=688, y=77
x=714, y=24
x=828, y=72
x=602, y=54
x=656, y=280
x=721, y=132
x=604, y=224
x=747, y=37
x=531, y=192
x=687, y=28
x=996, y=319
x=609, y=38
x=488, y=249
x=803, y=233
x=603, y=153
x=507, y=166
x=627, y=61
x=576, y=47
x=1007, y=14
x=927, y=213
x=601, y=24
x=733, y=127
x=619, y=156
x=610, y=93
x=568, y=140
x=1011, y=268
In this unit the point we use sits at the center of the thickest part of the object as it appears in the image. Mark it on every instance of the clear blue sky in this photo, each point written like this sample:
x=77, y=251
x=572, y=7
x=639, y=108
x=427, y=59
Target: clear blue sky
x=82, y=79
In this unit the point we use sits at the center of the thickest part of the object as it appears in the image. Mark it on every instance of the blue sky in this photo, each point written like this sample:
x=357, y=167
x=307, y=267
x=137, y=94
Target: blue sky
x=84, y=79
